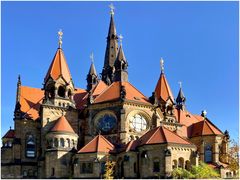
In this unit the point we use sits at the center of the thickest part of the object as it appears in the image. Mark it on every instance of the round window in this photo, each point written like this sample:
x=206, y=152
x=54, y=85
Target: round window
x=138, y=123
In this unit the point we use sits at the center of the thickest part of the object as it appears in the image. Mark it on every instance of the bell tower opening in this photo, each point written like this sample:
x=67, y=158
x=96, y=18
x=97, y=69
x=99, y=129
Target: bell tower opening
x=61, y=91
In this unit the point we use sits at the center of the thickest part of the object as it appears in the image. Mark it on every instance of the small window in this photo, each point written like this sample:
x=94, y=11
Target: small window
x=156, y=166
x=87, y=168
x=208, y=153
x=24, y=173
x=61, y=91
x=68, y=143
x=30, y=146
x=62, y=142
x=59, y=104
x=53, y=172
x=55, y=142
x=135, y=167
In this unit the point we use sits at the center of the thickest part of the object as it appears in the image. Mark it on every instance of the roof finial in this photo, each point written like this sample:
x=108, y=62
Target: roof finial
x=19, y=79
x=111, y=9
x=10, y=127
x=162, y=64
x=204, y=113
x=180, y=84
x=60, y=34
x=120, y=39
x=92, y=57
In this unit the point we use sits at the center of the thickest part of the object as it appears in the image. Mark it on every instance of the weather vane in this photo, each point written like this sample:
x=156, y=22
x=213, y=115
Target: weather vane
x=92, y=57
x=180, y=84
x=162, y=64
x=60, y=34
x=111, y=9
x=120, y=38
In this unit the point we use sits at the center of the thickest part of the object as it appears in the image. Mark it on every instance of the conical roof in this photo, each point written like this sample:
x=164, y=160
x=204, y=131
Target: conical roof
x=112, y=28
x=58, y=68
x=162, y=90
x=62, y=125
x=98, y=144
x=92, y=70
x=180, y=98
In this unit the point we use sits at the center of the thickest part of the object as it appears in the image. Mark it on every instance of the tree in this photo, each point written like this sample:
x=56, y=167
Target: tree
x=203, y=171
x=109, y=169
x=233, y=156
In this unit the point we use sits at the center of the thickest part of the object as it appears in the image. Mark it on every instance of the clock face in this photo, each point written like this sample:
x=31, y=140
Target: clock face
x=107, y=122
x=138, y=123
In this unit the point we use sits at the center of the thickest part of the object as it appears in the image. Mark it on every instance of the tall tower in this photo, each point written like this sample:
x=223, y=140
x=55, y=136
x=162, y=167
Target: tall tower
x=111, y=51
x=121, y=65
x=92, y=77
x=181, y=99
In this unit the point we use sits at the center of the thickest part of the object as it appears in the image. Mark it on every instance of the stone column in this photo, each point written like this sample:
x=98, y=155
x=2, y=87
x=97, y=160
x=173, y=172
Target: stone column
x=202, y=151
x=195, y=158
x=215, y=152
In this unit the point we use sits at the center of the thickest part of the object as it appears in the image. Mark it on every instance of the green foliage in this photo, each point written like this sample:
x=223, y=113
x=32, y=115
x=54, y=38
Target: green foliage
x=203, y=171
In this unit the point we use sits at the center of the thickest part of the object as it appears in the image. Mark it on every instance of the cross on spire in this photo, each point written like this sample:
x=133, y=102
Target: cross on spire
x=180, y=84
x=60, y=34
x=92, y=57
x=120, y=38
x=111, y=9
x=162, y=64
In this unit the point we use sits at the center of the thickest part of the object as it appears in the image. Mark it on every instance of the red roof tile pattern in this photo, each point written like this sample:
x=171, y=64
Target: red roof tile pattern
x=131, y=145
x=62, y=125
x=113, y=93
x=162, y=135
x=30, y=100
x=205, y=127
x=162, y=90
x=99, y=88
x=80, y=98
x=9, y=134
x=98, y=144
x=59, y=68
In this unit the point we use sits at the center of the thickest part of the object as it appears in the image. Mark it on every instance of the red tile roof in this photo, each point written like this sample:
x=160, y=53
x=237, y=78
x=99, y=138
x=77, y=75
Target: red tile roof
x=205, y=127
x=30, y=100
x=113, y=93
x=9, y=134
x=98, y=144
x=99, y=88
x=59, y=68
x=80, y=98
x=131, y=145
x=162, y=135
x=162, y=90
x=62, y=125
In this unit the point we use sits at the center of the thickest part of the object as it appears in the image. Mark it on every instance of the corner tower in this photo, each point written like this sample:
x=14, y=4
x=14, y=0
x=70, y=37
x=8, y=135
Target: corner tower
x=111, y=51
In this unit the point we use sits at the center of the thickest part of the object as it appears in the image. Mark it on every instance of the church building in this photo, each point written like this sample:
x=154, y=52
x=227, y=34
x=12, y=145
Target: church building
x=62, y=131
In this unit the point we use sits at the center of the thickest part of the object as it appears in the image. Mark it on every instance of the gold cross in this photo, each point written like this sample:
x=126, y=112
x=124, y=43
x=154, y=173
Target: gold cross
x=60, y=34
x=91, y=57
x=111, y=9
x=162, y=64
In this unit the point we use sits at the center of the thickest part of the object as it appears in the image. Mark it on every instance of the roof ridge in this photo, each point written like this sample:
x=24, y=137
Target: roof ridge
x=168, y=88
x=152, y=134
x=104, y=91
x=136, y=89
x=109, y=143
x=179, y=136
x=164, y=133
x=31, y=107
x=213, y=125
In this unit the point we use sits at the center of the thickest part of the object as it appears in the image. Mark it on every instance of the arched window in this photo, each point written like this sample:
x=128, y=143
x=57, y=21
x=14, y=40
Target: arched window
x=24, y=173
x=181, y=162
x=61, y=91
x=208, y=153
x=9, y=144
x=73, y=143
x=30, y=146
x=53, y=172
x=62, y=142
x=187, y=165
x=174, y=165
x=156, y=165
x=55, y=142
x=68, y=143
x=69, y=93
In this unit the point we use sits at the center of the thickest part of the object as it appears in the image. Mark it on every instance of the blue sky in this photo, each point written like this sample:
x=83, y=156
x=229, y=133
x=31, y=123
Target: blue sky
x=197, y=40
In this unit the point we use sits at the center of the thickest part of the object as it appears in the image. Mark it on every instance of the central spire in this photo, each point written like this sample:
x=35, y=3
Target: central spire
x=111, y=51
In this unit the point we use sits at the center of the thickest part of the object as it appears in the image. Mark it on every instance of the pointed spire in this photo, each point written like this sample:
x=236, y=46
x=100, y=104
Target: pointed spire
x=92, y=77
x=59, y=68
x=121, y=66
x=181, y=99
x=162, y=90
x=111, y=51
x=19, y=83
